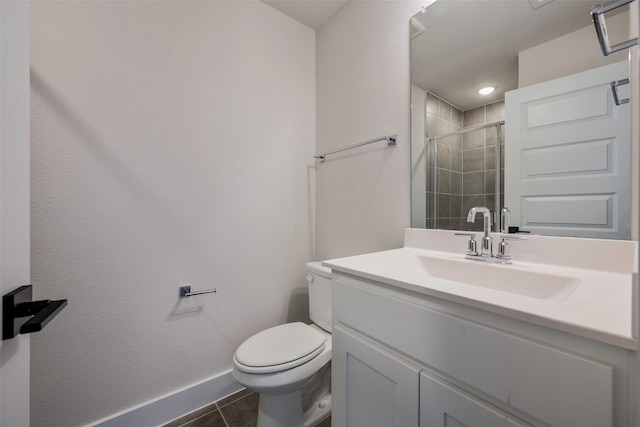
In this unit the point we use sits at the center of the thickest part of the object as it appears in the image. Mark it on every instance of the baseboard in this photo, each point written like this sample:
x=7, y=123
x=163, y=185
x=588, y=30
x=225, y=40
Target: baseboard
x=174, y=405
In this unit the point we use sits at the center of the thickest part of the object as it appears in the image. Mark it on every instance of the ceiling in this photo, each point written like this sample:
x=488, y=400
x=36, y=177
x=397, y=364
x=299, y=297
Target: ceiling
x=469, y=44
x=312, y=13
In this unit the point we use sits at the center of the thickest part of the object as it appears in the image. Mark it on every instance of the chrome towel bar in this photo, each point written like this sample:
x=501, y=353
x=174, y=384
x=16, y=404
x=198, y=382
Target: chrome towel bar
x=391, y=140
x=597, y=14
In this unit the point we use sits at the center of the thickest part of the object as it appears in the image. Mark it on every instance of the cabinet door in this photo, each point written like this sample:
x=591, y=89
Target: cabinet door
x=371, y=387
x=444, y=405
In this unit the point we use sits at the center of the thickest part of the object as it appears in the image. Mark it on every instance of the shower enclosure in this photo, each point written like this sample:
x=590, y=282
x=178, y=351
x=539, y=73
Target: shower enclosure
x=464, y=163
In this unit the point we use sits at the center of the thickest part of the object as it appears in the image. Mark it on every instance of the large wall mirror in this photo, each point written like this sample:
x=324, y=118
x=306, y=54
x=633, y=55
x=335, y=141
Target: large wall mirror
x=550, y=142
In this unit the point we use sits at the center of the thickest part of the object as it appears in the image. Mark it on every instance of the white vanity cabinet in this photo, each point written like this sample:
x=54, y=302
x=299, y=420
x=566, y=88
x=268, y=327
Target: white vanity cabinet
x=379, y=388
x=444, y=405
x=405, y=359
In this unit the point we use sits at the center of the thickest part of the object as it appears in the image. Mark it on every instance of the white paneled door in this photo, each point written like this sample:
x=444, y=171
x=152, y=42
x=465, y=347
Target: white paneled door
x=567, y=163
x=14, y=201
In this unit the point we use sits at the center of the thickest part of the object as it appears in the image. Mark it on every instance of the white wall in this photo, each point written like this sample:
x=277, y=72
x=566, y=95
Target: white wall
x=363, y=91
x=171, y=144
x=572, y=53
x=14, y=201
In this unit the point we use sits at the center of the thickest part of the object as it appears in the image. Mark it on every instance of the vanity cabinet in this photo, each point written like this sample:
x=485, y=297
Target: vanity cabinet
x=380, y=389
x=405, y=359
x=444, y=405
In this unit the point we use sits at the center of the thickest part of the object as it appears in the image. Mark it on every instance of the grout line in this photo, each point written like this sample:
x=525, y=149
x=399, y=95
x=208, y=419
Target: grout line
x=224, y=420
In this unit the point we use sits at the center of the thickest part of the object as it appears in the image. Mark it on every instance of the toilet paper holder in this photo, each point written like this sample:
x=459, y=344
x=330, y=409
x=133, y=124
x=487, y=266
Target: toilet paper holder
x=185, y=291
x=21, y=315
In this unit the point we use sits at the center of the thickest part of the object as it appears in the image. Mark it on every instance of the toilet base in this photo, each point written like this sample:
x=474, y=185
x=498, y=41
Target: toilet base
x=285, y=410
x=280, y=410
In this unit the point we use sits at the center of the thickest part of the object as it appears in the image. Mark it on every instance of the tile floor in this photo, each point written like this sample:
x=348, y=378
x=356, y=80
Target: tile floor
x=237, y=410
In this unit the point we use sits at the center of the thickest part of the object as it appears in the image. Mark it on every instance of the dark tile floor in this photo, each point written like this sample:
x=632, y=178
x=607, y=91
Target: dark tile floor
x=237, y=410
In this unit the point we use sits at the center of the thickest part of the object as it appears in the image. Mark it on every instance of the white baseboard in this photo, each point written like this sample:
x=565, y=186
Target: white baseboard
x=174, y=405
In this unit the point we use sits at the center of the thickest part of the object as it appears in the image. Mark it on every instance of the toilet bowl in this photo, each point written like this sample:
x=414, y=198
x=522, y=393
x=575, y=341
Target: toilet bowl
x=280, y=361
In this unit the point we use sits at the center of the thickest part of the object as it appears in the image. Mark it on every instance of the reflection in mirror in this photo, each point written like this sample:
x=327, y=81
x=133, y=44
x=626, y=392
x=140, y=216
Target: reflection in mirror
x=548, y=142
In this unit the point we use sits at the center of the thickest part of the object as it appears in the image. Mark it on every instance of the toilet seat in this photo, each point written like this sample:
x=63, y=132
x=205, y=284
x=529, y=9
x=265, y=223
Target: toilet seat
x=279, y=348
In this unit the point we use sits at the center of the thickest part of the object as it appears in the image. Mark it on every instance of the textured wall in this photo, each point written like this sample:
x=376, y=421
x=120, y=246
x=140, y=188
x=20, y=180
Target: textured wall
x=171, y=144
x=551, y=60
x=363, y=91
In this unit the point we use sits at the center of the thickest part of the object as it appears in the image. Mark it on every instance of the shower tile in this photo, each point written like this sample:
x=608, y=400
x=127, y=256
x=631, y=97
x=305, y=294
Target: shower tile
x=456, y=141
x=444, y=205
x=433, y=125
x=456, y=183
x=446, y=141
x=477, y=225
x=474, y=117
x=446, y=111
x=457, y=223
x=428, y=178
x=495, y=111
x=444, y=224
x=457, y=118
x=456, y=206
x=491, y=136
x=490, y=202
x=433, y=104
x=456, y=160
x=470, y=201
x=444, y=157
x=444, y=181
x=474, y=139
x=473, y=183
x=490, y=181
x=490, y=157
x=445, y=126
x=473, y=160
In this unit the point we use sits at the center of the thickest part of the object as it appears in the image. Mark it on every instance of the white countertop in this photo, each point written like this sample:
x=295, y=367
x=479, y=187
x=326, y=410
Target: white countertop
x=597, y=303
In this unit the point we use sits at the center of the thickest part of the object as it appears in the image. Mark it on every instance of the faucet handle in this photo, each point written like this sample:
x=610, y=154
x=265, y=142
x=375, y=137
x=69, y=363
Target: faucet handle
x=472, y=247
x=502, y=246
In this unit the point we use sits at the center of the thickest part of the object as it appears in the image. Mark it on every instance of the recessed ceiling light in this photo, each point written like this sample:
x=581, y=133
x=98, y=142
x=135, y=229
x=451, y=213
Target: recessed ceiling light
x=486, y=90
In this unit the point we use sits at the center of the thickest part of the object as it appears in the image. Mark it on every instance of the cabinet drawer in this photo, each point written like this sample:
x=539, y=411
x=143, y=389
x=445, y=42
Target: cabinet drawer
x=554, y=386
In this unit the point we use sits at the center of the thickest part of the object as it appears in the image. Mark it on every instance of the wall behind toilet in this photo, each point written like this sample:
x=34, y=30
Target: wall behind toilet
x=172, y=143
x=363, y=195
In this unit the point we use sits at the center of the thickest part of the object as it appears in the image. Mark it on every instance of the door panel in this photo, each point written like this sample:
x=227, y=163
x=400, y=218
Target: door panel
x=567, y=167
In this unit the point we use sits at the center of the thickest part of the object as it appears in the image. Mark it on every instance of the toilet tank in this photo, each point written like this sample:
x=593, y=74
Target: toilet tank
x=320, y=294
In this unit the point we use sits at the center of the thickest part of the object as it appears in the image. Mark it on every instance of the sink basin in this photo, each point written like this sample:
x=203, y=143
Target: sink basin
x=504, y=278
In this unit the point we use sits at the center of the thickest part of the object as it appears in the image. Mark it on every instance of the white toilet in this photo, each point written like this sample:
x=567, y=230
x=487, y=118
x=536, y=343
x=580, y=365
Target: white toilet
x=289, y=363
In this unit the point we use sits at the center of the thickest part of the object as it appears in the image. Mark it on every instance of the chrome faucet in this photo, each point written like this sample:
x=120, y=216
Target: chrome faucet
x=487, y=242
x=486, y=247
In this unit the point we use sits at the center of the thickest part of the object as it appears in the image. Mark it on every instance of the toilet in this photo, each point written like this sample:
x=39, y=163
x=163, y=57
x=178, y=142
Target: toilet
x=289, y=364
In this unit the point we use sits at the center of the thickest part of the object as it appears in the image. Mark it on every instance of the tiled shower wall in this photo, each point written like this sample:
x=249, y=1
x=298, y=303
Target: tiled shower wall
x=465, y=167
x=444, y=178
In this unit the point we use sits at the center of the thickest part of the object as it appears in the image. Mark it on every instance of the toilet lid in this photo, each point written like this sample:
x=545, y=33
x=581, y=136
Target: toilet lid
x=279, y=348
